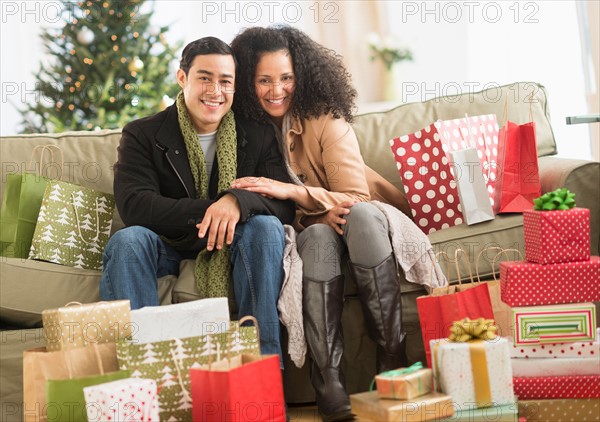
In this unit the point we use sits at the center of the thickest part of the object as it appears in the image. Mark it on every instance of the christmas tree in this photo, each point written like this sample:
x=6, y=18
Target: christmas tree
x=109, y=66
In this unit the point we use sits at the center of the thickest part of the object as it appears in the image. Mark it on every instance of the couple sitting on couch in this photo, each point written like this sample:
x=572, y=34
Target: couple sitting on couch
x=293, y=98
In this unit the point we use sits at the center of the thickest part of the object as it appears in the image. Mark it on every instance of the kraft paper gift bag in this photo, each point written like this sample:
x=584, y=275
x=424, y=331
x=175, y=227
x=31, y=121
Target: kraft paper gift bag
x=518, y=171
x=245, y=387
x=180, y=320
x=168, y=363
x=73, y=226
x=40, y=365
x=129, y=399
x=78, y=325
x=23, y=194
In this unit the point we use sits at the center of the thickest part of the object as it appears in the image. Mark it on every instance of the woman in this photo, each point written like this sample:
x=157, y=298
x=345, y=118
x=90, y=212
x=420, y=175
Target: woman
x=304, y=90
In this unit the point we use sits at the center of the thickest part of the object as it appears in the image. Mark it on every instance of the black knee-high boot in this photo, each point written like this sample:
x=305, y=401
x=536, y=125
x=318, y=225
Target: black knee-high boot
x=322, y=307
x=379, y=294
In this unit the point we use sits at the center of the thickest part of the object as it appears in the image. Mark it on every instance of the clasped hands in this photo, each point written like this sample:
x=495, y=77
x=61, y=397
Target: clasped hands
x=280, y=190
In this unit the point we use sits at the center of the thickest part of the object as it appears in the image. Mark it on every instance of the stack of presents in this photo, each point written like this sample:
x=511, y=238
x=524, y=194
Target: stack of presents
x=544, y=365
x=183, y=362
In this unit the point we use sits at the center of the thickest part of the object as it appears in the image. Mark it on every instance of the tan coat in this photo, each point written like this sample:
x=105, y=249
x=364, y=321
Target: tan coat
x=325, y=155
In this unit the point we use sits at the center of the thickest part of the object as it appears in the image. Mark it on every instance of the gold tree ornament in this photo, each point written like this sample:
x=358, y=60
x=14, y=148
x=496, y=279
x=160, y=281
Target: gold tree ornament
x=136, y=65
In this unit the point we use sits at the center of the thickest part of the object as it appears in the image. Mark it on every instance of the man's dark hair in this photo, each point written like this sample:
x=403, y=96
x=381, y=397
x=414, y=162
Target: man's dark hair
x=202, y=47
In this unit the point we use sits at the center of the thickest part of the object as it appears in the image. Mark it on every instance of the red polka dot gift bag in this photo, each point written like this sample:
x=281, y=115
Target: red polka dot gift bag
x=422, y=158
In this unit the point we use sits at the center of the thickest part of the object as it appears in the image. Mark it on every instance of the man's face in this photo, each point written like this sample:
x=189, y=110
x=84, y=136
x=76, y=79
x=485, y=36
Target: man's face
x=208, y=90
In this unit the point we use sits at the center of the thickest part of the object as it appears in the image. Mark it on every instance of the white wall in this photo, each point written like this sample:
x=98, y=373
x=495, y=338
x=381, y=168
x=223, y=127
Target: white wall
x=455, y=44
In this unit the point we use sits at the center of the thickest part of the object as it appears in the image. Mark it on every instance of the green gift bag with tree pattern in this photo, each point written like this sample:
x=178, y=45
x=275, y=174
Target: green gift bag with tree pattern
x=73, y=226
x=169, y=362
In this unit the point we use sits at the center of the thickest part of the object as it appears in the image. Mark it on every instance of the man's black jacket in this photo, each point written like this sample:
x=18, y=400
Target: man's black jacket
x=154, y=186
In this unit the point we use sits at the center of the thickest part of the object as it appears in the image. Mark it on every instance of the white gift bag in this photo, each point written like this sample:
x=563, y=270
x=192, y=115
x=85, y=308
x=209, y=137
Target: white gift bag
x=181, y=320
x=473, y=194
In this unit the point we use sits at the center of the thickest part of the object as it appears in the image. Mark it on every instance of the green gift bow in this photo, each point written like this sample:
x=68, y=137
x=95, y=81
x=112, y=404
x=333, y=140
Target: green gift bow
x=397, y=372
x=560, y=199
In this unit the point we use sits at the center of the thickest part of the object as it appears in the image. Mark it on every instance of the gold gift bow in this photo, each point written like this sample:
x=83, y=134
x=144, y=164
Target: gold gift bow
x=474, y=332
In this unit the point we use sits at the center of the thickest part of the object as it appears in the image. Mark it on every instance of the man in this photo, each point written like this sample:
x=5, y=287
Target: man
x=172, y=188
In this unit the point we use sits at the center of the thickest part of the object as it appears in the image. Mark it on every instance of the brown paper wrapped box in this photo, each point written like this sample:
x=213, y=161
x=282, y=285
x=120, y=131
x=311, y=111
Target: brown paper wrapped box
x=560, y=410
x=368, y=406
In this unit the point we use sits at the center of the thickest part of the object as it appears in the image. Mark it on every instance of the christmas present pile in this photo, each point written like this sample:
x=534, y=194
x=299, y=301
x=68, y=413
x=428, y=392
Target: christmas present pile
x=555, y=354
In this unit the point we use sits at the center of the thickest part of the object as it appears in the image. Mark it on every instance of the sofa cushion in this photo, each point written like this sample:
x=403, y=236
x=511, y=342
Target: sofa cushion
x=28, y=287
x=375, y=130
x=88, y=158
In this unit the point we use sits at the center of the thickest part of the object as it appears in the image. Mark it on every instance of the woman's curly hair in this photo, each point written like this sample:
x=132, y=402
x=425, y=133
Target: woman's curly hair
x=323, y=85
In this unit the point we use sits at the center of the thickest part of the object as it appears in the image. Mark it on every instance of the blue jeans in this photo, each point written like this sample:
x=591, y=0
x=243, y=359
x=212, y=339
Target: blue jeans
x=135, y=257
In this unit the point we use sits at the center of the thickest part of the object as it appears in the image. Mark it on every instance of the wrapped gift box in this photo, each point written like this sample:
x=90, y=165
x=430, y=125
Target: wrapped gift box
x=78, y=325
x=504, y=413
x=180, y=320
x=580, y=410
x=568, y=387
x=557, y=236
x=456, y=376
x=554, y=323
x=550, y=367
x=368, y=406
x=130, y=399
x=583, y=349
x=525, y=283
x=404, y=386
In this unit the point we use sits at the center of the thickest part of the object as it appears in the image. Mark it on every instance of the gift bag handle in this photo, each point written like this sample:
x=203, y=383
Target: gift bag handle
x=504, y=251
x=48, y=147
x=505, y=116
x=95, y=239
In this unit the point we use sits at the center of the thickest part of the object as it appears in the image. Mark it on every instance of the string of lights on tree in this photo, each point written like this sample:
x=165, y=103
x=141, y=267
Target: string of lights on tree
x=109, y=65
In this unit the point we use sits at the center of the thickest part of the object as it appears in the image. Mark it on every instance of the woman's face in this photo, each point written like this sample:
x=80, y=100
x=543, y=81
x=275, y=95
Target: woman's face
x=274, y=82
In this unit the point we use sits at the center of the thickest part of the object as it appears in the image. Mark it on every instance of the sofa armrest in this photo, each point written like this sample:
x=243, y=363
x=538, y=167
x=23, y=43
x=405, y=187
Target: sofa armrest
x=580, y=177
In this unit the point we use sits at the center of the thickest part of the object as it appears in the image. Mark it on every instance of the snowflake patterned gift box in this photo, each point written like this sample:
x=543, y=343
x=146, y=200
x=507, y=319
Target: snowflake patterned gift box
x=474, y=373
x=565, y=387
x=79, y=325
x=168, y=363
x=525, y=283
x=554, y=323
x=557, y=236
x=73, y=226
x=129, y=399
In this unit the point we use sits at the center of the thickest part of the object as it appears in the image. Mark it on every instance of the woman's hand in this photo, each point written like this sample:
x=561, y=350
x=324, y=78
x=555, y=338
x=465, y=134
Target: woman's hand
x=335, y=216
x=266, y=187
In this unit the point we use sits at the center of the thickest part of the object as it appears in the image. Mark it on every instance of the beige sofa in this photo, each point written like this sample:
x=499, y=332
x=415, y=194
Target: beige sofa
x=28, y=287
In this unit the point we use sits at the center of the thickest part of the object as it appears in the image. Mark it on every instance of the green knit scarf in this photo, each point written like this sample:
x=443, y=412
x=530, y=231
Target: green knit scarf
x=213, y=268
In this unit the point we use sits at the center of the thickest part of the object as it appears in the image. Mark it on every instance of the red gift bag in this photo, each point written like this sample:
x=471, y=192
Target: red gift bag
x=243, y=388
x=445, y=305
x=518, y=181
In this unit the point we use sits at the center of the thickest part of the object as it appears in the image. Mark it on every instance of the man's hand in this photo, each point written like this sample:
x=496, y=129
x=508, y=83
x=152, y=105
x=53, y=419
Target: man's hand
x=219, y=221
x=334, y=217
x=266, y=187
